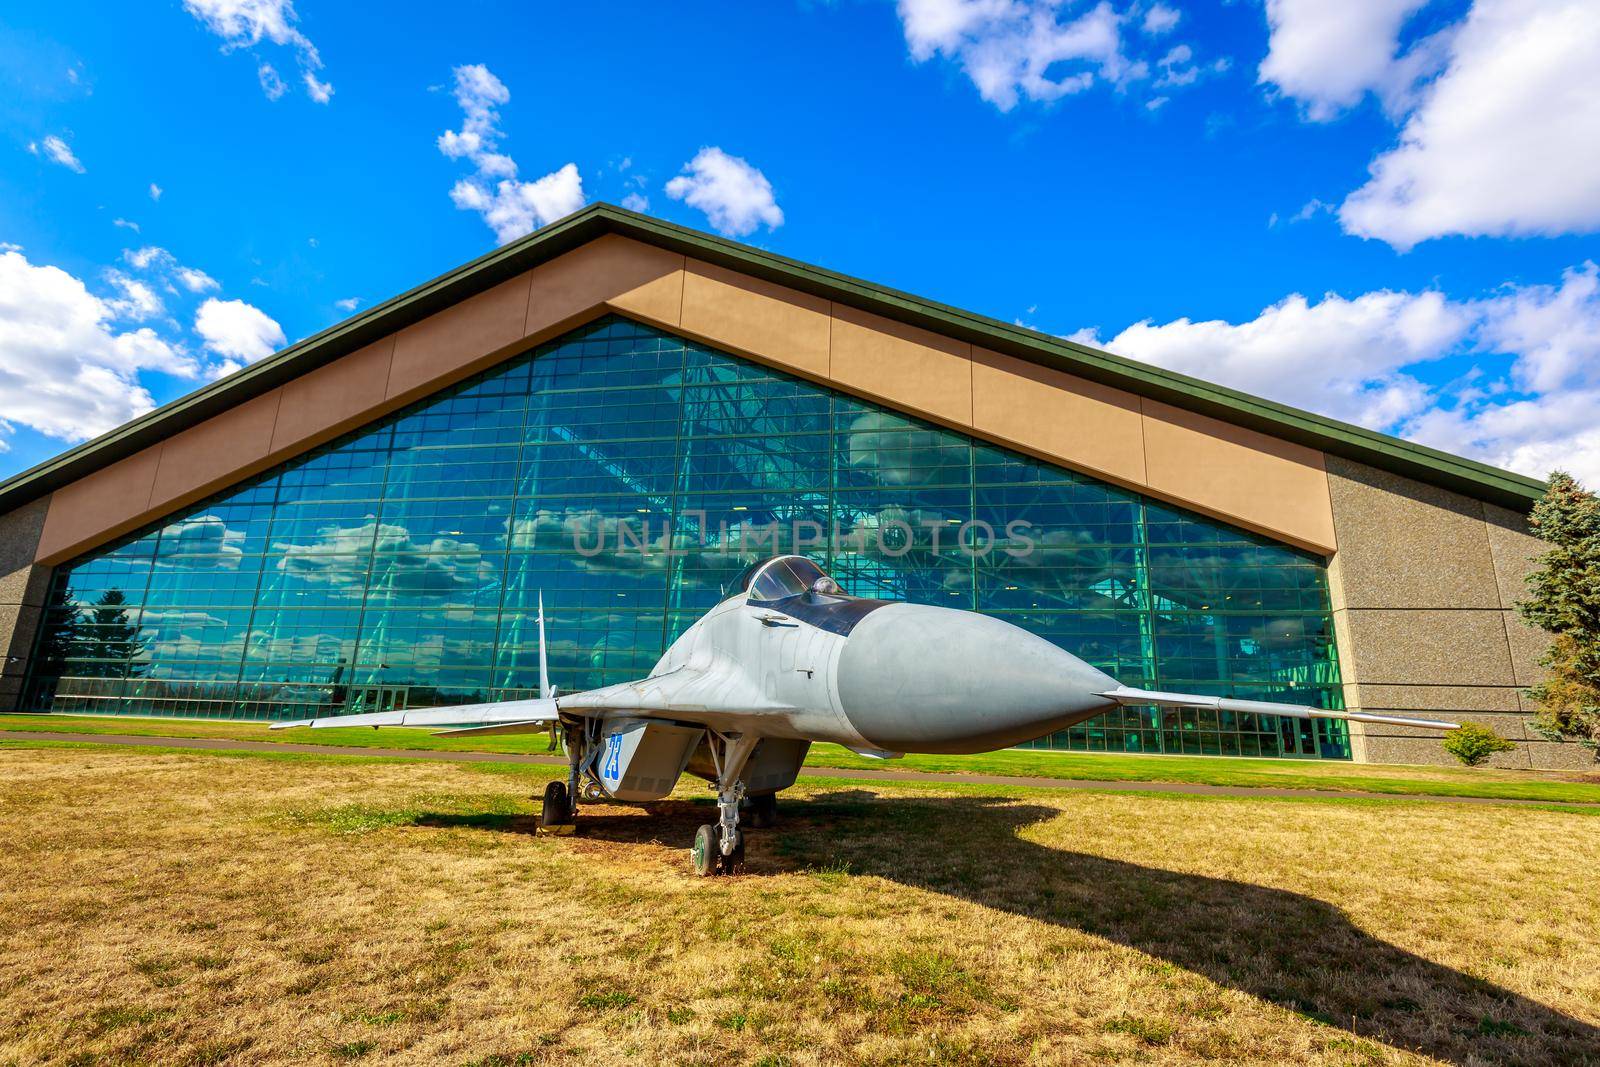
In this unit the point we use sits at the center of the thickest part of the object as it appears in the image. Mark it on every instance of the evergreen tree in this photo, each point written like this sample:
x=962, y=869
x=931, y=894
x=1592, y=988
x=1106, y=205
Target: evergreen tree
x=1564, y=601
x=113, y=637
x=63, y=634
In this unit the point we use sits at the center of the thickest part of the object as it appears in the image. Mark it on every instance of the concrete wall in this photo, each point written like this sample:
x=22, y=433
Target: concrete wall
x=23, y=585
x=1424, y=585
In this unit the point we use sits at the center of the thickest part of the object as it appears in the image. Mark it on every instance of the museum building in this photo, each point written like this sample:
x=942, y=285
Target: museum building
x=617, y=414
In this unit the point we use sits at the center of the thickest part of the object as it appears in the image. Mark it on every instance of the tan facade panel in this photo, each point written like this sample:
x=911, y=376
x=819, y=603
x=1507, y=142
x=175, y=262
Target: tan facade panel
x=1403, y=544
x=1515, y=552
x=1083, y=424
x=1269, y=485
x=1550, y=756
x=609, y=273
x=1430, y=751
x=99, y=506
x=904, y=366
x=1431, y=699
x=1390, y=646
x=333, y=399
x=21, y=582
x=750, y=317
x=24, y=586
x=208, y=456
x=456, y=342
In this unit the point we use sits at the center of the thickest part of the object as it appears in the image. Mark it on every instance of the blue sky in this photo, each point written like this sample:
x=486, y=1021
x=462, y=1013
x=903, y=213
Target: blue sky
x=1383, y=210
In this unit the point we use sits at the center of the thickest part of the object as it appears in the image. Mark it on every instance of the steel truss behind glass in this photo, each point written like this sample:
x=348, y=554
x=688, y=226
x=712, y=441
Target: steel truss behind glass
x=627, y=474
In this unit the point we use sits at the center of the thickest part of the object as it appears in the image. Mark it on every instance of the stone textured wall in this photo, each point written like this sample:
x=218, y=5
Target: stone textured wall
x=23, y=585
x=1424, y=586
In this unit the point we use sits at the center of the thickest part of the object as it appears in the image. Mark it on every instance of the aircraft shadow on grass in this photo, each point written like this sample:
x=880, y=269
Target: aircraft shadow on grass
x=1294, y=951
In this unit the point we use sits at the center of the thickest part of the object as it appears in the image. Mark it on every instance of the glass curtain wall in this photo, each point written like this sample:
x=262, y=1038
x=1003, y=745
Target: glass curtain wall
x=626, y=474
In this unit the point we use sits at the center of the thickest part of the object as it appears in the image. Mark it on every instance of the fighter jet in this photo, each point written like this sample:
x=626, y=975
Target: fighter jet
x=788, y=658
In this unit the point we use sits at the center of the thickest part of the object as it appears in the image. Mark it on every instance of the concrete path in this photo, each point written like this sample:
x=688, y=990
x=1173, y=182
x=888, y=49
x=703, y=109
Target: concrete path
x=887, y=774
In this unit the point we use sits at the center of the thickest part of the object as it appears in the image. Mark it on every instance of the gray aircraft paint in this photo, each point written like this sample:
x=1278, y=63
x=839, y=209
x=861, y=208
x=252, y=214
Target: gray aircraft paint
x=740, y=696
x=907, y=693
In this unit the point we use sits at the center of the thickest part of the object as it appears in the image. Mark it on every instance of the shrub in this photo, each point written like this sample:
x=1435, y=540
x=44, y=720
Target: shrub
x=1474, y=743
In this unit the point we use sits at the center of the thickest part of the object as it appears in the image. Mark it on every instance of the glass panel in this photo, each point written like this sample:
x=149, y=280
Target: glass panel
x=629, y=477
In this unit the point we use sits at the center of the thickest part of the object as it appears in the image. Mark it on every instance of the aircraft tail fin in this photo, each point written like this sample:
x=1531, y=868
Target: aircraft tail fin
x=545, y=691
x=1127, y=695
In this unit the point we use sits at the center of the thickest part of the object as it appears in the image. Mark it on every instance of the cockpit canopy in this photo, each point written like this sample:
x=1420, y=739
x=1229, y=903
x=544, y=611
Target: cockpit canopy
x=779, y=577
x=798, y=588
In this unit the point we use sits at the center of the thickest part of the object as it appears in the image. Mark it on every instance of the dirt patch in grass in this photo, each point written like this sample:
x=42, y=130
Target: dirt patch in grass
x=171, y=908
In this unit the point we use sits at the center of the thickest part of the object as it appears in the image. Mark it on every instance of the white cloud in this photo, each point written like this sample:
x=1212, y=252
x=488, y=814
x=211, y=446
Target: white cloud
x=1177, y=68
x=1160, y=19
x=150, y=257
x=65, y=370
x=636, y=202
x=1361, y=360
x=56, y=150
x=1020, y=48
x=138, y=301
x=735, y=196
x=236, y=329
x=1506, y=142
x=348, y=304
x=510, y=207
x=1554, y=330
x=155, y=191
x=271, y=83
x=248, y=24
x=195, y=280
x=125, y=224
x=142, y=258
x=1344, y=358
x=514, y=208
x=319, y=91
x=1329, y=56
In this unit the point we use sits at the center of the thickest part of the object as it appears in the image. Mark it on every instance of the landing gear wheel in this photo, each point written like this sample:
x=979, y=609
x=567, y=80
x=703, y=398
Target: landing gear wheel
x=763, y=810
x=557, y=810
x=705, y=856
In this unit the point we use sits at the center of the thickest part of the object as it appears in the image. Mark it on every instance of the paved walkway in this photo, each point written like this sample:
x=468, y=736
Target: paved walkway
x=887, y=774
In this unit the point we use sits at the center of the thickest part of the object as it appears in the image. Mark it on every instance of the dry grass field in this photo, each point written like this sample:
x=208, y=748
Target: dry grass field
x=200, y=908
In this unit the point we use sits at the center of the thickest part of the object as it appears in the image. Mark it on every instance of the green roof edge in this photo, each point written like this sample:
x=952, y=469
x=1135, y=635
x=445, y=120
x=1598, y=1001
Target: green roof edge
x=1279, y=420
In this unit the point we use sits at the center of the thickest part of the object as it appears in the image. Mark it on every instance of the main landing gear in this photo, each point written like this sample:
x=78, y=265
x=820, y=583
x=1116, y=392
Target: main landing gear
x=559, y=815
x=719, y=847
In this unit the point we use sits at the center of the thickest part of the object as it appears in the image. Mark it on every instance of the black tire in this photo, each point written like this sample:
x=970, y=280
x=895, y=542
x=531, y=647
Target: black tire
x=557, y=810
x=763, y=811
x=704, y=855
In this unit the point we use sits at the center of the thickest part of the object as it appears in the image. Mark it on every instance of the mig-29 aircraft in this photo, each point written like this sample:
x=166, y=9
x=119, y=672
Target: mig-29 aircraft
x=788, y=658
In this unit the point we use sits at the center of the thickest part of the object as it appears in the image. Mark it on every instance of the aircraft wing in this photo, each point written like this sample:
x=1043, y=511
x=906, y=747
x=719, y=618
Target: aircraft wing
x=1127, y=695
x=711, y=698
x=504, y=717
x=714, y=698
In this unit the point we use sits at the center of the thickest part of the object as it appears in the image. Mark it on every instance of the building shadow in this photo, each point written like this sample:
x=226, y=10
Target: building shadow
x=1291, y=950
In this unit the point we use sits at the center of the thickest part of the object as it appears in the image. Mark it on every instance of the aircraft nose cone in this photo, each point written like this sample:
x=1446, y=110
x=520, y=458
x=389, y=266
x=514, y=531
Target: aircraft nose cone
x=914, y=678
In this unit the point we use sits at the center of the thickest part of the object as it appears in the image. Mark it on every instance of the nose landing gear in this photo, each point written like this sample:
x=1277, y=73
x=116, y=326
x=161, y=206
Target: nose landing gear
x=719, y=848
x=706, y=856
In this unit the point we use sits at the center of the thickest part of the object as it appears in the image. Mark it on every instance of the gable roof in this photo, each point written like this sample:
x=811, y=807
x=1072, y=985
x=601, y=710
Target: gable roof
x=1279, y=420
